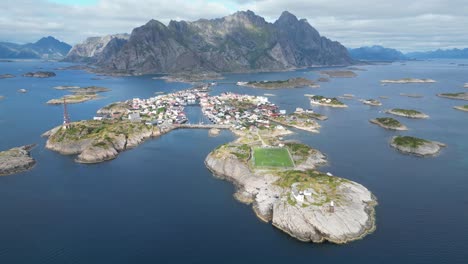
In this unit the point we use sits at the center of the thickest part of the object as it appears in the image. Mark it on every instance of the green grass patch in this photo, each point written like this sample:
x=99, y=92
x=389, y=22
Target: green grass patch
x=388, y=121
x=452, y=94
x=272, y=157
x=324, y=186
x=409, y=112
x=408, y=141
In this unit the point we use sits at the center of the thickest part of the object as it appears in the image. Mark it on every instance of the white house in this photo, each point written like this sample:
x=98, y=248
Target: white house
x=298, y=196
x=299, y=110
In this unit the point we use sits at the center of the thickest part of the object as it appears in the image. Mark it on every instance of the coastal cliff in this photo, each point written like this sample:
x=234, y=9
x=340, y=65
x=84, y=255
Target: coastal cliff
x=271, y=194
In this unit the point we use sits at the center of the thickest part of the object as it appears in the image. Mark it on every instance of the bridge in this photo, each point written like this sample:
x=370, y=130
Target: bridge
x=201, y=126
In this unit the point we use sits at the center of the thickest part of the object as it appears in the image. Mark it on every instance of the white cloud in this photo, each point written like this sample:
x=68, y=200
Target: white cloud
x=402, y=24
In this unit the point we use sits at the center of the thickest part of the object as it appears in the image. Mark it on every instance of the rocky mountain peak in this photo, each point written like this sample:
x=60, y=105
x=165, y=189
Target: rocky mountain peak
x=287, y=18
x=242, y=41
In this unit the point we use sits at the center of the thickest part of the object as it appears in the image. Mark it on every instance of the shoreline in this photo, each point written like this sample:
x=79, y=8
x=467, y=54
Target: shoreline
x=258, y=188
x=400, y=128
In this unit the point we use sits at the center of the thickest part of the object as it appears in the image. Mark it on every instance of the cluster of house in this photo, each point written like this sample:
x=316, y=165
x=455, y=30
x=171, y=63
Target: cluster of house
x=168, y=108
x=240, y=111
x=321, y=100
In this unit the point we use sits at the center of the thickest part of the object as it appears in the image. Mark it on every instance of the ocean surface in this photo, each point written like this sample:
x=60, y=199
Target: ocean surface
x=158, y=203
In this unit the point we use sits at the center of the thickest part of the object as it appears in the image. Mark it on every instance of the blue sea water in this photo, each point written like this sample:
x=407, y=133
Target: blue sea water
x=158, y=203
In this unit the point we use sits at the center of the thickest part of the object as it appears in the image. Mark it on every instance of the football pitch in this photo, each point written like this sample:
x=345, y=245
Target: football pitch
x=272, y=157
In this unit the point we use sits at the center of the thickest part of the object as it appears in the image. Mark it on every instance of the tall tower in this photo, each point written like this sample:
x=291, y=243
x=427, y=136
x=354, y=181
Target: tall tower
x=66, y=117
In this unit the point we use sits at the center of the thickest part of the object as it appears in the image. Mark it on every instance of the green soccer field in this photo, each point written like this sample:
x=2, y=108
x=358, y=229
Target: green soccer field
x=272, y=157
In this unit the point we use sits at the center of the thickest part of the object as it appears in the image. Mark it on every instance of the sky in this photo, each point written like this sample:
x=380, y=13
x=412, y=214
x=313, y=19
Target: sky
x=407, y=25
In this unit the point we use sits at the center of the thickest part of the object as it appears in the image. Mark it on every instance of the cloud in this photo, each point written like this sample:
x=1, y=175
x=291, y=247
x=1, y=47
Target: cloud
x=406, y=25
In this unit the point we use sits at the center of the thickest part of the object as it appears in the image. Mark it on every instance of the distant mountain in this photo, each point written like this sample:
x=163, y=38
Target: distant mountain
x=45, y=48
x=94, y=49
x=440, y=54
x=242, y=41
x=376, y=53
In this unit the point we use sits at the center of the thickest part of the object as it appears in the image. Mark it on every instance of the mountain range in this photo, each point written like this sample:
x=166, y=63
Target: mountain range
x=440, y=54
x=239, y=42
x=45, y=48
x=376, y=53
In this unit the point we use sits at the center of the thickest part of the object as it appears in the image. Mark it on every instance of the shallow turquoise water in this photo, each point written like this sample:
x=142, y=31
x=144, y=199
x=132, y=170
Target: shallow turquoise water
x=158, y=202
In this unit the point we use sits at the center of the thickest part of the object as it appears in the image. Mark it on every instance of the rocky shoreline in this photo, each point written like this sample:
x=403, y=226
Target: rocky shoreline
x=329, y=105
x=407, y=113
x=462, y=108
x=416, y=146
x=382, y=123
x=73, y=99
x=16, y=160
x=6, y=76
x=339, y=74
x=94, y=143
x=408, y=80
x=352, y=218
x=39, y=74
x=371, y=102
x=289, y=83
x=456, y=96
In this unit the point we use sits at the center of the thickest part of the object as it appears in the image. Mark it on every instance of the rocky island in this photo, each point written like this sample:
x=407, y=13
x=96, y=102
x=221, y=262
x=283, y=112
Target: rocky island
x=412, y=95
x=371, y=102
x=416, y=146
x=40, y=74
x=457, y=96
x=73, y=99
x=97, y=141
x=83, y=90
x=80, y=94
x=323, y=79
x=301, y=119
x=279, y=178
x=324, y=101
x=282, y=184
x=339, y=74
x=462, y=108
x=2, y=97
x=16, y=160
x=389, y=123
x=408, y=80
x=409, y=113
x=191, y=78
x=6, y=76
x=289, y=83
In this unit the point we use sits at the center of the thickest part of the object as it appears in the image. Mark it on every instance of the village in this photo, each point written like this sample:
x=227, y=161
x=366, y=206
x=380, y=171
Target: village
x=237, y=111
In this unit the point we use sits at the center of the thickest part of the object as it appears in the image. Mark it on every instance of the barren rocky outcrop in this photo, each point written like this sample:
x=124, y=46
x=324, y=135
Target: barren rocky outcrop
x=16, y=160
